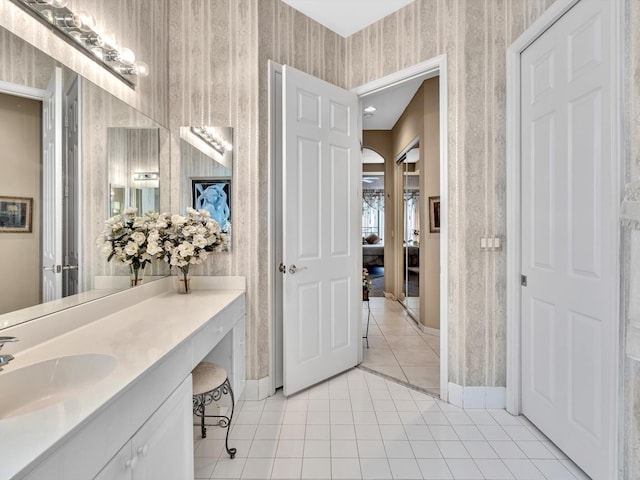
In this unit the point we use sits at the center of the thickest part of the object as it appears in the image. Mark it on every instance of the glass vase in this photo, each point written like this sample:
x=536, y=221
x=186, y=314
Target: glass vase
x=184, y=280
x=136, y=275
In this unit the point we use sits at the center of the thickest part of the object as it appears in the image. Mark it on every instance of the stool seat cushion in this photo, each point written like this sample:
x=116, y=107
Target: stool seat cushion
x=207, y=377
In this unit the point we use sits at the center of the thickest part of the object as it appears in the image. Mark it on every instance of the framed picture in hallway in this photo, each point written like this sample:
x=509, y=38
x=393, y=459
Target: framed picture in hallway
x=15, y=214
x=434, y=214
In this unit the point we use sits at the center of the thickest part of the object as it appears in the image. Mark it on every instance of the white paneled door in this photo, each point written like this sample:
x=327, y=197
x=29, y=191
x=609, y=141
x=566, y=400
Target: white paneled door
x=51, y=189
x=569, y=238
x=322, y=282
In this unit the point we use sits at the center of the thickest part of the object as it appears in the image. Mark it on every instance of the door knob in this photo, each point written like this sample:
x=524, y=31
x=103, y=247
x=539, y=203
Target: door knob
x=70, y=267
x=293, y=269
x=53, y=268
x=282, y=268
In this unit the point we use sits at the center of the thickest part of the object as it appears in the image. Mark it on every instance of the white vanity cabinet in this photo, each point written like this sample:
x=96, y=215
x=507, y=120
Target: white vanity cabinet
x=162, y=448
x=136, y=423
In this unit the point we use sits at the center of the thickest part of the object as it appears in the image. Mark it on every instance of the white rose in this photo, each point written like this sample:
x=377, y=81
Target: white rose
x=138, y=222
x=138, y=237
x=178, y=219
x=153, y=248
x=186, y=249
x=131, y=248
x=188, y=230
x=199, y=241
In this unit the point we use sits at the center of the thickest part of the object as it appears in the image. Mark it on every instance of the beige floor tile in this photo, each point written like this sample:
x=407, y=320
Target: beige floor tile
x=416, y=357
x=379, y=357
x=404, y=341
x=423, y=377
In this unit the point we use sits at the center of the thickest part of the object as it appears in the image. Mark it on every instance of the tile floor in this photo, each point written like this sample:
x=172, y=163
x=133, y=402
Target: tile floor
x=399, y=349
x=359, y=425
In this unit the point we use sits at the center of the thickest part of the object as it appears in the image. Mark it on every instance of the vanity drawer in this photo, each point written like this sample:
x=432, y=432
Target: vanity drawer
x=212, y=333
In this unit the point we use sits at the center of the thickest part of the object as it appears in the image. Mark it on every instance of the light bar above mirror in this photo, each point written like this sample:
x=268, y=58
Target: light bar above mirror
x=79, y=29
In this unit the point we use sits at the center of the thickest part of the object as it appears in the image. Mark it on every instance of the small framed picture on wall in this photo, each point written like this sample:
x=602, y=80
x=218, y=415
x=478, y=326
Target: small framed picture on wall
x=16, y=214
x=434, y=214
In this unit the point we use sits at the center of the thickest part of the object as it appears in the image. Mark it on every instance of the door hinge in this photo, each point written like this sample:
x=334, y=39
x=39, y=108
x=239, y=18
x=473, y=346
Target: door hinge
x=523, y=280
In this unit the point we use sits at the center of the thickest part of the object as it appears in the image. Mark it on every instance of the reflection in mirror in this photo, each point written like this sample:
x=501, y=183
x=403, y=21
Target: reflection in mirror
x=134, y=169
x=68, y=269
x=206, y=156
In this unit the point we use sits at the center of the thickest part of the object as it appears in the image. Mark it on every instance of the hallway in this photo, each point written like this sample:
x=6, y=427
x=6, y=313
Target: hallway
x=358, y=425
x=398, y=348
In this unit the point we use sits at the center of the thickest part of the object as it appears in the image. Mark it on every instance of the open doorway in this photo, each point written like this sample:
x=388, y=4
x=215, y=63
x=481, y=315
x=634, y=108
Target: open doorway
x=401, y=125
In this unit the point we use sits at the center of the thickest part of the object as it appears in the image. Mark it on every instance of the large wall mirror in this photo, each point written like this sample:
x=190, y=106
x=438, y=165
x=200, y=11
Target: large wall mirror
x=108, y=157
x=206, y=165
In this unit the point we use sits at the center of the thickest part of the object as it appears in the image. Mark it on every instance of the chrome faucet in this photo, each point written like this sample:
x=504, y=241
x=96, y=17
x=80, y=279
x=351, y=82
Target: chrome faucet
x=5, y=359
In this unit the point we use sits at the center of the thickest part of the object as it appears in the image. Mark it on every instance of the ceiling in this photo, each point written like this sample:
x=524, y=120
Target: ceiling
x=346, y=17
x=389, y=104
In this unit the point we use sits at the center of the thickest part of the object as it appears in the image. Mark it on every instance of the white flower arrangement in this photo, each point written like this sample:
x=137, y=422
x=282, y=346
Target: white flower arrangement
x=184, y=240
x=180, y=240
x=125, y=238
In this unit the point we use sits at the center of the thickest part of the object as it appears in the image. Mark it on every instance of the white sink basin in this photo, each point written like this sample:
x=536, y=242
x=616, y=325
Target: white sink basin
x=52, y=381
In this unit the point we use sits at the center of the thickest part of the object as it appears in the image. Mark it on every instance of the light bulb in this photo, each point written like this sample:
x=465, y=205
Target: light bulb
x=84, y=21
x=141, y=69
x=108, y=40
x=127, y=56
x=48, y=14
x=56, y=3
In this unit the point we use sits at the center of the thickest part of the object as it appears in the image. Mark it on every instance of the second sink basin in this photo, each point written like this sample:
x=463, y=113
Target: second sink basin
x=43, y=384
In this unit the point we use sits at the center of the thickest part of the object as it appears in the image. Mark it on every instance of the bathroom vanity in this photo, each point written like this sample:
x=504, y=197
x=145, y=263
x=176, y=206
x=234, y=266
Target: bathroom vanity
x=103, y=390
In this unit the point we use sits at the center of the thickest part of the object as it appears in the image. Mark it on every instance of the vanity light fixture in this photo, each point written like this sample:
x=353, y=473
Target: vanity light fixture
x=79, y=29
x=213, y=138
x=143, y=176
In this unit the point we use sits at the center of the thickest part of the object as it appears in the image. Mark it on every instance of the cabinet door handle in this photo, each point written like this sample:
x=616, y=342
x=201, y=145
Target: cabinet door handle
x=143, y=450
x=131, y=463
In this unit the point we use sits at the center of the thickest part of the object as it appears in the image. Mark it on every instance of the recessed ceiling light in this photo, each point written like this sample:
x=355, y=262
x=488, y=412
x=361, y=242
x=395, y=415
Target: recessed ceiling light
x=370, y=109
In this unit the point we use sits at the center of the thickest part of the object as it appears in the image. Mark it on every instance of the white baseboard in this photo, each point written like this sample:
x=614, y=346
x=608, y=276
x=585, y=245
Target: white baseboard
x=429, y=330
x=477, y=397
x=258, y=389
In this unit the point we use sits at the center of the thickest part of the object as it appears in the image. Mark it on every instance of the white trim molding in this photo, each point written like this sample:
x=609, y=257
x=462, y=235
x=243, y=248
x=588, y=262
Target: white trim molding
x=256, y=390
x=477, y=397
x=22, y=91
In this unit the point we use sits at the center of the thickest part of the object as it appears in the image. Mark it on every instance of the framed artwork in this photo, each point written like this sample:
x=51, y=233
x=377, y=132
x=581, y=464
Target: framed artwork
x=213, y=195
x=16, y=214
x=434, y=214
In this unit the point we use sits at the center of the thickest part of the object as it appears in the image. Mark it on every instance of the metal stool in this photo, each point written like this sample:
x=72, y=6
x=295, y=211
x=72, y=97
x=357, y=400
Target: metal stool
x=365, y=298
x=210, y=382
